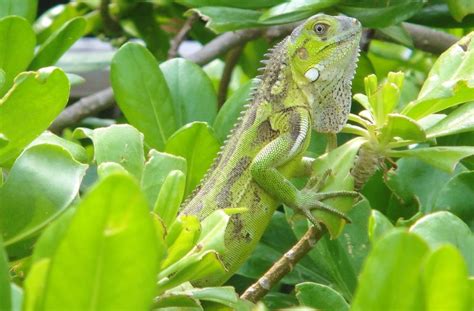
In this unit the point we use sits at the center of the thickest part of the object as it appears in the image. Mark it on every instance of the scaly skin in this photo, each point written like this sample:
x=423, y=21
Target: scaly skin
x=306, y=84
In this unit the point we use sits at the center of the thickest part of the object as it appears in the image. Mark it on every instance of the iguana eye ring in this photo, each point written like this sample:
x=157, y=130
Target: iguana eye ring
x=320, y=29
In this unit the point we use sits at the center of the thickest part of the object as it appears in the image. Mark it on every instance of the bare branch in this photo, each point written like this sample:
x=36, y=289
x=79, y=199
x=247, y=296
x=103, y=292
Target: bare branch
x=283, y=266
x=181, y=35
x=230, y=62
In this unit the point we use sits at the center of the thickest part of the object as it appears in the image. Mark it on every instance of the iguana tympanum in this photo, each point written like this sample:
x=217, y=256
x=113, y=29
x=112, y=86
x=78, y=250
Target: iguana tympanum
x=306, y=84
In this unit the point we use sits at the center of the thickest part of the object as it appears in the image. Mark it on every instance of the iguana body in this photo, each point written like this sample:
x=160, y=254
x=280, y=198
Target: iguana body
x=306, y=84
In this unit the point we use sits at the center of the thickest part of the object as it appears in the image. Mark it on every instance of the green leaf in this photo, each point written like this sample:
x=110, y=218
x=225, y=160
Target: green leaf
x=121, y=144
x=403, y=127
x=459, y=121
x=398, y=34
x=17, y=45
x=393, y=266
x=99, y=251
x=24, y=107
x=295, y=10
x=460, y=8
x=52, y=179
x=230, y=111
x=320, y=297
x=340, y=161
x=58, y=43
x=191, y=90
x=17, y=297
x=443, y=227
x=157, y=168
x=243, y=4
x=23, y=8
x=444, y=158
x=142, y=94
x=35, y=285
x=445, y=280
x=54, y=18
x=378, y=225
x=5, y=288
x=77, y=151
x=222, y=19
x=197, y=143
x=455, y=196
x=450, y=81
x=378, y=14
x=170, y=197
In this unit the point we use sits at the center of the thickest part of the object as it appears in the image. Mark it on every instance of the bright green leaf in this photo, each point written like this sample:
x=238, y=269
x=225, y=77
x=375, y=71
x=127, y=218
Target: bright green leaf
x=121, y=144
x=378, y=225
x=17, y=45
x=459, y=121
x=460, y=8
x=197, y=143
x=23, y=8
x=95, y=266
x=24, y=107
x=17, y=297
x=157, y=168
x=443, y=227
x=76, y=150
x=403, y=127
x=142, y=94
x=445, y=280
x=170, y=196
x=192, y=91
x=390, y=278
x=58, y=43
x=5, y=295
x=295, y=10
x=222, y=19
x=42, y=183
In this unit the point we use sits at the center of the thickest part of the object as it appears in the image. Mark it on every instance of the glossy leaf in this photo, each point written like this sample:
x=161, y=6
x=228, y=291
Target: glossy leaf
x=445, y=280
x=222, y=19
x=23, y=107
x=403, y=127
x=378, y=225
x=295, y=10
x=42, y=183
x=17, y=45
x=170, y=197
x=459, y=121
x=455, y=197
x=23, y=8
x=449, y=83
x=445, y=158
x=460, y=8
x=393, y=266
x=5, y=289
x=244, y=4
x=320, y=297
x=76, y=150
x=191, y=90
x=143, y=95
x=157, y=168
x=58, y=43
x=121, y=144
x=443, y=227
x=230, y=111
x=98, y=252
x=378, y=14
x=182, y=237
x=197, y=143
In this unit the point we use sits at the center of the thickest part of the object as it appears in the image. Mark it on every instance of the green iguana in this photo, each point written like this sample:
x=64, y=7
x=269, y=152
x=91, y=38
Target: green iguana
x=306, y=83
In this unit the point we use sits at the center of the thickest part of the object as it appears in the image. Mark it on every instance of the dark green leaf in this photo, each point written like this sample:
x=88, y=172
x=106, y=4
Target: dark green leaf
x=222, y=19
x=58, y=43
x=142, y=94
x=5, y=288
x=95, y=265
x=42, y=183
x=17, y=45
x=243, y=4
x=296, y=10
x=192, y=91
x=320, y=297
x=197, y=143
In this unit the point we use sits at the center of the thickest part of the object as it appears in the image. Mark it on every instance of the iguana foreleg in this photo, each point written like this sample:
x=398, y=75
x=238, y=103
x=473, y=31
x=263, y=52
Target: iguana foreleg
x=284, y=149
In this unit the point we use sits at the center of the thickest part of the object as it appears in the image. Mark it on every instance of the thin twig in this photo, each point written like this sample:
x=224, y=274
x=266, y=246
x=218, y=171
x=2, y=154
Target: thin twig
x=181, y=35
x=111, y=26
x=230, y=62
x=283, y=266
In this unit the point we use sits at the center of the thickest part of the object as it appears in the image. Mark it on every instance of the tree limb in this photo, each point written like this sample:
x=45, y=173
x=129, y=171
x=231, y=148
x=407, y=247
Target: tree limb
x=181, y=35
x=230, y=62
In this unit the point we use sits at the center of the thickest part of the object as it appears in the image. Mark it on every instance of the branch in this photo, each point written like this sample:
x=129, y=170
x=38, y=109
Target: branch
x=230, y=62
x=283, y=266
x=111, y=26
x=181, y=35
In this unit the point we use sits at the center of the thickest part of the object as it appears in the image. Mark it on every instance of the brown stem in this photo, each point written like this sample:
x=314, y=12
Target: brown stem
x=230, y=62
x=181, y=35
x=283, y=266
x=111, y=26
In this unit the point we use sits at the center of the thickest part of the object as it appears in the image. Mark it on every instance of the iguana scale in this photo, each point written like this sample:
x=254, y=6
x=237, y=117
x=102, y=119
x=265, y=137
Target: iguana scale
x=306, y=83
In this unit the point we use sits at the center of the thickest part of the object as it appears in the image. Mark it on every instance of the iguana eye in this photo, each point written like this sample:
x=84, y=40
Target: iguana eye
x=320, y=29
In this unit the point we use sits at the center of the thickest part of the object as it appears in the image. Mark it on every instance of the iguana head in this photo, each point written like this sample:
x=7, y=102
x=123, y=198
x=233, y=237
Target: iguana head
x=323, y=52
